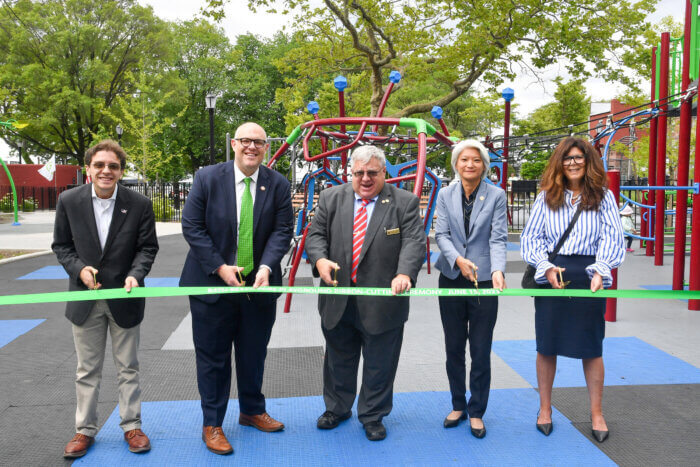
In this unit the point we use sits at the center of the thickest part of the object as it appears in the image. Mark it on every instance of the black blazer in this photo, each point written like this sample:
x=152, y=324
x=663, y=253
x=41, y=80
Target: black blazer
x=209, y=224
x=130, y=249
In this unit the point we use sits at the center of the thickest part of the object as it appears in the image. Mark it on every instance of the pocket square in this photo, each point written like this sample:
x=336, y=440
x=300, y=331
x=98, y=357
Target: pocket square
x=123, y=211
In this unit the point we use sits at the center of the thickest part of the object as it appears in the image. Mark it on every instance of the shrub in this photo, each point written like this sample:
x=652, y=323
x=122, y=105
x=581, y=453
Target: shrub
x=163, y=209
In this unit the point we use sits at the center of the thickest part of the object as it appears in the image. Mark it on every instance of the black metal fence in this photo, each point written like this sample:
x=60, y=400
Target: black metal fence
x=168, y=198
x=29, y=198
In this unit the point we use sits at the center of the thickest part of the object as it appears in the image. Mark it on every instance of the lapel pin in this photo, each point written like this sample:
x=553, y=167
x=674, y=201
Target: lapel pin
x=262, y=188
x=385, y=201
x=123, y=211
x=481, y=198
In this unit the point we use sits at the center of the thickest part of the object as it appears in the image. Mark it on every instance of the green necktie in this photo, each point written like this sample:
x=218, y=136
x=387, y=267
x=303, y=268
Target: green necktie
x=245, y=231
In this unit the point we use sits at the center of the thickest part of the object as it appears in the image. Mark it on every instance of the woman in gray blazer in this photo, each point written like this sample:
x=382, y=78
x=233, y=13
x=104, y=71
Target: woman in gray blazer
x=471, y=231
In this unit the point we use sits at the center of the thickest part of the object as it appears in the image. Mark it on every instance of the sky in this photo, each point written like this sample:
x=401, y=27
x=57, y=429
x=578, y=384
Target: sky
x=529, y=92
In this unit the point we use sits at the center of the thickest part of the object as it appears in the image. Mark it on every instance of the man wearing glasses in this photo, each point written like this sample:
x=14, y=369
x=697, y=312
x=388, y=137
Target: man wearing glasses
x=105, y=236
x=364, y=234
x=238, y=222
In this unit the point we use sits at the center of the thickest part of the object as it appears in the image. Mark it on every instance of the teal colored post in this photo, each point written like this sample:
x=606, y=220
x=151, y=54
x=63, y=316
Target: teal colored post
x=14, y=191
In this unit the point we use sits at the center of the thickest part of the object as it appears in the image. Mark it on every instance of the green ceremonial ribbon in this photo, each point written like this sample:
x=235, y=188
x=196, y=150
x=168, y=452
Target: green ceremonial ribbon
x=152, y=292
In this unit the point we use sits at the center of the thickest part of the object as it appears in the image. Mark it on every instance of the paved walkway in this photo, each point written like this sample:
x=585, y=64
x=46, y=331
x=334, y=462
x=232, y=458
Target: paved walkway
x=652, y=397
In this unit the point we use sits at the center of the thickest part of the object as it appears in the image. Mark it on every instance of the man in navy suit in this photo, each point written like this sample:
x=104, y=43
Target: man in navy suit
x=238, y=221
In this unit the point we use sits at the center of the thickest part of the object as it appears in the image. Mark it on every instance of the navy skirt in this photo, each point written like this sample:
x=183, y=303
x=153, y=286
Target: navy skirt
x=572, y=327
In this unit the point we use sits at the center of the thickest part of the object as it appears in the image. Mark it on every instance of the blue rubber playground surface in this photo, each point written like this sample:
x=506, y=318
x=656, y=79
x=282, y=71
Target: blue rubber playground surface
x=628, y=361
x=11, y=329
x=416, y=436
x=650, y=354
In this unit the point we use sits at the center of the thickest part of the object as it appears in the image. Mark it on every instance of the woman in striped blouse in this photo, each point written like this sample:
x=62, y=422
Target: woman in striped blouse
x=574, y=327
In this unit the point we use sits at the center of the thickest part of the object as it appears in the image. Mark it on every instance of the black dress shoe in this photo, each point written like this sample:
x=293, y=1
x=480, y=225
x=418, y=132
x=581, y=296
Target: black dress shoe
x=375, y=431
x=478, y=432
x=544, y=428
x=600, y=435
x=448, y=423
x=329, y=420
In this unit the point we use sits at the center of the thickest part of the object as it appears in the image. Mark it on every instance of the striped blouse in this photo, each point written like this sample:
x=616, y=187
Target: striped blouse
x=596, y=233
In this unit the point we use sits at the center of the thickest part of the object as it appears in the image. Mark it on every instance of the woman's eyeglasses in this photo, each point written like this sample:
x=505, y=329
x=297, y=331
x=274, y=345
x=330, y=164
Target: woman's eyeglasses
x=576, y=159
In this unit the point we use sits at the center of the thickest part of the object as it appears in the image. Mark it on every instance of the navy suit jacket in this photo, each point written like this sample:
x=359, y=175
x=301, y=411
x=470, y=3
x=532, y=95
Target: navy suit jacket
x=209, y=224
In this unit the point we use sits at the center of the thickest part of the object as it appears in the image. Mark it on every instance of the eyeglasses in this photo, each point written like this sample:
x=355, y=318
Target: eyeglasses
x=245, y=142
x=575, y=159
x=369, y=173
x=113, y=166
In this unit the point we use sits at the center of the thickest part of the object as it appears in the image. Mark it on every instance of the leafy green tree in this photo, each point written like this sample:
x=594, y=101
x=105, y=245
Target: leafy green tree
x=64, y=62
x=570, y=107
x=456, y=44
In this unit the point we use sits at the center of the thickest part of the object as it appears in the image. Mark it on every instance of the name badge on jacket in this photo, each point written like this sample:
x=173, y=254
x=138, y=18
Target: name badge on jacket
x=393, y=231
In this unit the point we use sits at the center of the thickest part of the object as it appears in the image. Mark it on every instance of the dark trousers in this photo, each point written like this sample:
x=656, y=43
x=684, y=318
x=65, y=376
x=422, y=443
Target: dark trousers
x=472, y=319
x=629, y=241
x=381, y=357
x=232, y=319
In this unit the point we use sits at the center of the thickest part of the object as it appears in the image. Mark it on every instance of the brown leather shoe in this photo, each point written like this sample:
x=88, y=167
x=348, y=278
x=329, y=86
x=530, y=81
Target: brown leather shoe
x=262, y=422
x=78, y=446
x=138, y=441
x=215, y=439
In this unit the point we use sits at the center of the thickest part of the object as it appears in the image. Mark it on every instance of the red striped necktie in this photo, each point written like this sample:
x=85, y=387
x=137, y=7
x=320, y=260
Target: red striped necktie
x=358, y=236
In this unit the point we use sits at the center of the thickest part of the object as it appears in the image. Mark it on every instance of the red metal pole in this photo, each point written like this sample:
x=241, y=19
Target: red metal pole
x=295, y=265
x=420, y=164
x=683, y=163
x=653, y=128
x=694, y=272
x=661, y=150
x=344, y=154
x=611, y=303
x=506, y=136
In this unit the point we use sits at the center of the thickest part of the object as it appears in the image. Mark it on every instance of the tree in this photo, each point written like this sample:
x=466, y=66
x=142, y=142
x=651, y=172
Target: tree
x=455, y=44
x=570, y=107
x=64, y=62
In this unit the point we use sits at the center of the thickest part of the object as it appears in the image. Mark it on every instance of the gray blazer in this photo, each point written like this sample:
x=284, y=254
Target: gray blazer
x=488, y=230
x=394, y=244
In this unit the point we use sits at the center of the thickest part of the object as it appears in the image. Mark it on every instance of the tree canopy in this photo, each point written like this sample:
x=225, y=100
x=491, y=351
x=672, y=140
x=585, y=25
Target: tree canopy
x=453, y=44
x=64, y=62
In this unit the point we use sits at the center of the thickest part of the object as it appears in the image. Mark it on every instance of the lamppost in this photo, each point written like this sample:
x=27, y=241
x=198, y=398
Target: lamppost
x=211, y=105
x=120, y=132
x=20, y=145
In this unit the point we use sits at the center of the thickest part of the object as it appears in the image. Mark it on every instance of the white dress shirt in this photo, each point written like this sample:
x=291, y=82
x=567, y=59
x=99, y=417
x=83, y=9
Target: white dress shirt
x=103, y=209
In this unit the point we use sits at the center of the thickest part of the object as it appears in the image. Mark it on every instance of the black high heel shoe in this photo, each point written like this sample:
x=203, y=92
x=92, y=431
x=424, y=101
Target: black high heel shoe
x=449, y=423
x=478, y=432
x=599, y=435
x=544, y=428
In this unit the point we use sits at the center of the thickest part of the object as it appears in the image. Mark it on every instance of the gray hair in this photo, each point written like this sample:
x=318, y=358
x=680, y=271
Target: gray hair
x=363, y=154
x=466, y=144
